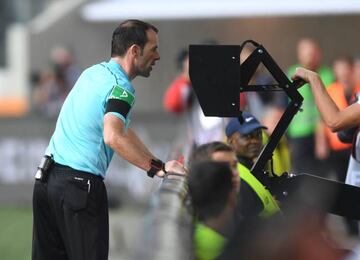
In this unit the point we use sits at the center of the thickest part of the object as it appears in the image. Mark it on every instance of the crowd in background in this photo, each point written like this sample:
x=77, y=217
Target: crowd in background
x=225, y=227
x=313, y=148
x=307, y=147
x=231, y=221
x=52, y=85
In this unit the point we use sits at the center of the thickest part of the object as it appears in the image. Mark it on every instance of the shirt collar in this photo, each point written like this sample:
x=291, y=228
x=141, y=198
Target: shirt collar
x=119, y=72
x=117, y=69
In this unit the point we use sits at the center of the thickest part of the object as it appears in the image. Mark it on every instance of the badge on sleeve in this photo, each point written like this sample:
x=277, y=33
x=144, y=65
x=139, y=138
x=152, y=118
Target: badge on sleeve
x=122, y=94
x=120, y=101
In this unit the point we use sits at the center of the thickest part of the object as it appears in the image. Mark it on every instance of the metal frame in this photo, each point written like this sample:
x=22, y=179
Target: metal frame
x=247, y=70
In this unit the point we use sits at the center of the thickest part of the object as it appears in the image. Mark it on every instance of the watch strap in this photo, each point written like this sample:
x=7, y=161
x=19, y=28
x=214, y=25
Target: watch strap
x=155, y=166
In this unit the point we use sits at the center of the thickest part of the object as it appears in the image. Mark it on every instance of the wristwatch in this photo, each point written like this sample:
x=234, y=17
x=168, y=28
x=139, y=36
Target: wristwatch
x=156, y=165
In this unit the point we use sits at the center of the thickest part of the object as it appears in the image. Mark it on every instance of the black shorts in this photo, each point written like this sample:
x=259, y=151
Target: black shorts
x=71, y=218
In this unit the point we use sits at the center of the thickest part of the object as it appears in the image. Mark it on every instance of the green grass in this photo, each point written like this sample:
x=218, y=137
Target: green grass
x=15, y=233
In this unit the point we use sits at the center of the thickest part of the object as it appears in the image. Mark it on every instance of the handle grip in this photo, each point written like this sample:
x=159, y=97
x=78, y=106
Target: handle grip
x=298, y=82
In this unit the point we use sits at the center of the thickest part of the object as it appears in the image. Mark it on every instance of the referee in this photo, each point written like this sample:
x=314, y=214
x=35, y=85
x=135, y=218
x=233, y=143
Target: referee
x=69, y=201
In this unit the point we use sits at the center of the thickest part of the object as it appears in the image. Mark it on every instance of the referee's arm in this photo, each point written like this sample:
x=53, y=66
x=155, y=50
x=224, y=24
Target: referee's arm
x=128, y=145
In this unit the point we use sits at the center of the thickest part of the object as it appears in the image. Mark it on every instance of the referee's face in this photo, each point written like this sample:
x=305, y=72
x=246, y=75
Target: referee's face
x=149, y=55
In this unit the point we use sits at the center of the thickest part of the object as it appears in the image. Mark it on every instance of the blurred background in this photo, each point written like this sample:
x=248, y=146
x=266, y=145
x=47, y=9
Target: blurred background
x=45, y=44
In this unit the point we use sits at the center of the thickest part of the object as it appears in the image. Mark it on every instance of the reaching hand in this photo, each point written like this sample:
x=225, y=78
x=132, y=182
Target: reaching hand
x=173, y=166
x=304, y=74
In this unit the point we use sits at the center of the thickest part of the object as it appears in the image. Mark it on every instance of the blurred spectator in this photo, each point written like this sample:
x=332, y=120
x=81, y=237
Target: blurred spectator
x=343, y=93
x=55, y=84
x=357, y=68
x=246, y=139
x=181, y=99
x=302, y=130
x=217, y=151
x=64, y=66
x=213, y=196
x=351, y=135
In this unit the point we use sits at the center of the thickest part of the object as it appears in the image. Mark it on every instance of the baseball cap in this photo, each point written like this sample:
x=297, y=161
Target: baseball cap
x=250, y=124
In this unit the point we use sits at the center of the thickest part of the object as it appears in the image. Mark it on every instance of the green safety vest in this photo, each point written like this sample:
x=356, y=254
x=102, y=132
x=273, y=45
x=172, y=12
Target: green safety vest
x=281, y=156
x=208, y=243
x=270, y=205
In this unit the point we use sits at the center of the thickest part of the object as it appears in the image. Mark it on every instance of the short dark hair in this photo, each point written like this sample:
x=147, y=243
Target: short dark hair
x=210, y=184
x=205, y=151
x=128, y=33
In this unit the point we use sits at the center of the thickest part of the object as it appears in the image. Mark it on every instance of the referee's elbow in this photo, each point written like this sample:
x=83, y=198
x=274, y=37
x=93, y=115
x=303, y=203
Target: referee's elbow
x=109, y=139
x=114, y=138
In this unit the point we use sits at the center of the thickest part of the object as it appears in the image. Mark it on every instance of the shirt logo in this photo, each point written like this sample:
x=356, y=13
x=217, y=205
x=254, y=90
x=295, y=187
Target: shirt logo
x=247, y=120
x=124, y=94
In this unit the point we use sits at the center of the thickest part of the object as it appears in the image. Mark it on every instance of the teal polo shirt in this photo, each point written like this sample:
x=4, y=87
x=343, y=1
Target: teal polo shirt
x=78, y=139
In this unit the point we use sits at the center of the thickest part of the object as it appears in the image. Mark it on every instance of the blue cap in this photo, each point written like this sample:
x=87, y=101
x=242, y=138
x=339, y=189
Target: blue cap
x=250, y=124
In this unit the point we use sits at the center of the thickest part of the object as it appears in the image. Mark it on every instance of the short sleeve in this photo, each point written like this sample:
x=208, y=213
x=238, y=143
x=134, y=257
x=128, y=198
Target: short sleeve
x=120, y=102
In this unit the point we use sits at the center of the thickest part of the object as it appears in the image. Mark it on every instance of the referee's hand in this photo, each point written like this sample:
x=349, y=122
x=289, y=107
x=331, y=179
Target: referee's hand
x=173, y=166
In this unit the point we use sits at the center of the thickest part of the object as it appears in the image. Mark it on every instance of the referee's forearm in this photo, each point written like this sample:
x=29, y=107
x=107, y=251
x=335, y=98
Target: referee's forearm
x=131, y=152
x=137, y=141
x=125, y=142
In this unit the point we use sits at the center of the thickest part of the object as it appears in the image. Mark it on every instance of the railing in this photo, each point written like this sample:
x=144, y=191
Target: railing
x=167, y=232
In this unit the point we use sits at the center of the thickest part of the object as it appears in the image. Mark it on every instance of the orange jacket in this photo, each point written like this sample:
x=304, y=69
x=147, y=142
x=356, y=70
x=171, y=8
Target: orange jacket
x=336, y=92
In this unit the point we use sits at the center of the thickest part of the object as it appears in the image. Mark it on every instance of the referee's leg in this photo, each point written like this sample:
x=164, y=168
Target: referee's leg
x=85, y=222
x=47, y=243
